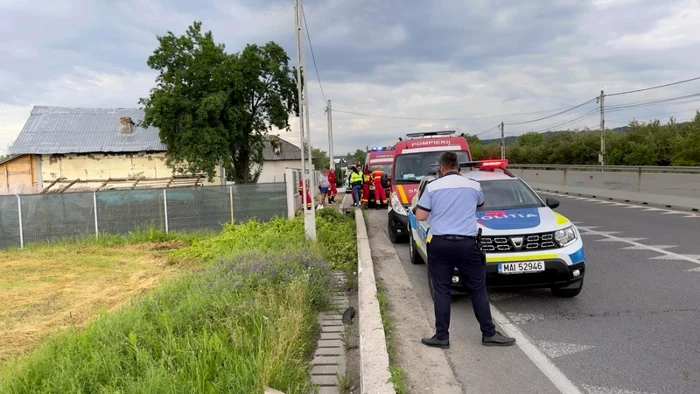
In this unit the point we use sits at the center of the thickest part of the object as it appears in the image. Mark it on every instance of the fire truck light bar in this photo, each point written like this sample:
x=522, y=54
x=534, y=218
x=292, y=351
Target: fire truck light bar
x=429, y=133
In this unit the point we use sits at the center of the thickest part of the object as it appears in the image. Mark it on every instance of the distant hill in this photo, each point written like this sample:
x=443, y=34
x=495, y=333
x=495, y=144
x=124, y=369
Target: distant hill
x=512, y=139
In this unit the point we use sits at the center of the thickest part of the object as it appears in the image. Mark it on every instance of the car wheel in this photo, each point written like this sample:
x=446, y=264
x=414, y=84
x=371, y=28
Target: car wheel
x=393, y=237
x=567, y=293
x=415, y=256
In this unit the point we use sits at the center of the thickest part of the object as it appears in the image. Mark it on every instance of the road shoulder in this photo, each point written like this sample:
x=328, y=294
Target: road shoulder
x=427, y=370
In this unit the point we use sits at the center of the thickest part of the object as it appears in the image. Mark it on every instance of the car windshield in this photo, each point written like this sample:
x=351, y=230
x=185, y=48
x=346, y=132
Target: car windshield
x=411, y=168
x=508, y=194
x=384, y=167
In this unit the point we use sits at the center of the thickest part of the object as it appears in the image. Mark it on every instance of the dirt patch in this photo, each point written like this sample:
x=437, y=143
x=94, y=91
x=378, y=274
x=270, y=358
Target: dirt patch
x=48, y=289
x=351, y=339
x=170, y=245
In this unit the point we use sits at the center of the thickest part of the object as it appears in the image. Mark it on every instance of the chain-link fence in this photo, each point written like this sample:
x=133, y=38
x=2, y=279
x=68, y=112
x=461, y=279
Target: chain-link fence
x=42, y=217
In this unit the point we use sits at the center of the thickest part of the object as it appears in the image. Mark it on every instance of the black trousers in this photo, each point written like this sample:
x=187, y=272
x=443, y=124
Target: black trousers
x=443, y=256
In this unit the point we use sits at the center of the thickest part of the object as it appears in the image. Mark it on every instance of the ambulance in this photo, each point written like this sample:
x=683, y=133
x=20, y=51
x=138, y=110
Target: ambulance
x=414, y=159
x=382, y=157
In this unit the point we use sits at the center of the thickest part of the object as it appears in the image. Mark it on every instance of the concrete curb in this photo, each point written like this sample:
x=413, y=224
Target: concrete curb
x=374, y=357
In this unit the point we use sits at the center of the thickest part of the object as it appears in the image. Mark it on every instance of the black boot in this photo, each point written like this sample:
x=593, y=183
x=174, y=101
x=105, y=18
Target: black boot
x=435, y=342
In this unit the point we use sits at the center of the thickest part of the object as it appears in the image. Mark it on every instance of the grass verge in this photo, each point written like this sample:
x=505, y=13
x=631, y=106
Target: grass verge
x=244, y=319
x=398, y=376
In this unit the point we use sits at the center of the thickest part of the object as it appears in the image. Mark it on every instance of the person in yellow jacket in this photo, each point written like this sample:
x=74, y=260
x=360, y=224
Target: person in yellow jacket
x=356, y=185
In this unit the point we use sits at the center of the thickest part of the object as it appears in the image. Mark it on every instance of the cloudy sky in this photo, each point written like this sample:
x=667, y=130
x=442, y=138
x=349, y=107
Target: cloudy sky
x=390, y=67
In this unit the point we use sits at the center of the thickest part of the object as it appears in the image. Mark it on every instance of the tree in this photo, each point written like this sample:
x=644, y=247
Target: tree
x=215, y=108
x=320, y=159
x=359, y=156
x=7, y=150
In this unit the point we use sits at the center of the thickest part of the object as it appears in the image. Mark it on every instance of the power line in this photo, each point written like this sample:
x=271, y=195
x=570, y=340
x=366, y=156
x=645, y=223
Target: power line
x=551, y=116
x=313, y=57
x=653, y=87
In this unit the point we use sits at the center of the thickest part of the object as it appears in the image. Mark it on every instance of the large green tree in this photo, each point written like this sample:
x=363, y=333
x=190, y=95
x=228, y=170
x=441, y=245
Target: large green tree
x=215, y=108
x=320, y=159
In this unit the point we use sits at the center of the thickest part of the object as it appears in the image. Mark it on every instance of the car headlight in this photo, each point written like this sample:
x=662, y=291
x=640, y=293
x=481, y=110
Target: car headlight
x=565, y=236
x=396, y=205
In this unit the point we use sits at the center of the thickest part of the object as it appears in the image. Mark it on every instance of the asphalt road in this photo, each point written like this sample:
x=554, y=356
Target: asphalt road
x=633, y=329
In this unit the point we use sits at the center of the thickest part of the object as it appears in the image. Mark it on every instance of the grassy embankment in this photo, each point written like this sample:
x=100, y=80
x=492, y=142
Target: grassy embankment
x=232, y=312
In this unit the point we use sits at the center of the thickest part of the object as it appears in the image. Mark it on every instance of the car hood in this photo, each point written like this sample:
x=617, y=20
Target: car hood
x=516, y=221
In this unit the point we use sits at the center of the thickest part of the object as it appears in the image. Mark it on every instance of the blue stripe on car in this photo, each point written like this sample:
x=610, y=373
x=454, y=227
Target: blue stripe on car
x=577, y=256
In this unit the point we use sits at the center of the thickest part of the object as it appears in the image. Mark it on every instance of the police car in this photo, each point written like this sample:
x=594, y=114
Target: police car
x=527, y=243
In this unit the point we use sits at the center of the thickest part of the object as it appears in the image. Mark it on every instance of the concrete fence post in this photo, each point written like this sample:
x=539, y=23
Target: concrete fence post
x=21, y=230
x=94, y=206
x=290, y=188
x=165, y=209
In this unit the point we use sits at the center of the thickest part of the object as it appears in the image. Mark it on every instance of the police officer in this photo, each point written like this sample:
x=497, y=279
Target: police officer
x=449, y=204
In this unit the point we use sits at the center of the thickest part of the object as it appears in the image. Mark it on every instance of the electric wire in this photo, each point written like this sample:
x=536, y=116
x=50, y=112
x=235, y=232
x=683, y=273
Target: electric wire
x=313, y=57
x=652, y=87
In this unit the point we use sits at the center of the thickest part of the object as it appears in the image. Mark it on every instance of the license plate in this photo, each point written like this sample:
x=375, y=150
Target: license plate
x=521, y=267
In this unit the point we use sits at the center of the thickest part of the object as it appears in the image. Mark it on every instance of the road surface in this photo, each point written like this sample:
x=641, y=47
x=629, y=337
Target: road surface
x=633, y=329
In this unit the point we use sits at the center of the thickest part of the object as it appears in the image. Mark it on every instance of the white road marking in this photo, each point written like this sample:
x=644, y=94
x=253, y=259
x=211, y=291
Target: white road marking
x=548, y=368
x=648, y=247
x=606, y=233
x=502, y=296
x=621, y=239
x=558, y=349
x=674, y=213
x=654, y=209
x=693, y=270
x=692, y=216
x=664, y=257
x=523, y=318
x=608, y=390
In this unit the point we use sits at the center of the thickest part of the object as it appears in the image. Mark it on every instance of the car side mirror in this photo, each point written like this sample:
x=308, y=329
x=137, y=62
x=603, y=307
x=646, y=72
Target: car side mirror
x=552, y=202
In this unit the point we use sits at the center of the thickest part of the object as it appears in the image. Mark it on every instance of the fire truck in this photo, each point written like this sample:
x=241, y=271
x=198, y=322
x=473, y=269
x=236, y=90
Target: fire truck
x=382, y=157
x=414, y=159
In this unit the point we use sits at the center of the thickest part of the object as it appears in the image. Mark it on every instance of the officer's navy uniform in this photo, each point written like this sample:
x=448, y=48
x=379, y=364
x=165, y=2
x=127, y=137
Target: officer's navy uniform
x=452, y=201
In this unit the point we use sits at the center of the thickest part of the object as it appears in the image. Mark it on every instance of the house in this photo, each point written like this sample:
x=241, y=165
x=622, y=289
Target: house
x=85, y=149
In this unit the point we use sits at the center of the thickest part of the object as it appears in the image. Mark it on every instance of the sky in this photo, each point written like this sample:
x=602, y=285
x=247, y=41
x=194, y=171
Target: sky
x=390, y=67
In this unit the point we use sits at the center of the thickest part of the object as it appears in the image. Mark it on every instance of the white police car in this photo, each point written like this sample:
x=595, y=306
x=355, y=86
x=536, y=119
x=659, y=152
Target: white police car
x=527, y=243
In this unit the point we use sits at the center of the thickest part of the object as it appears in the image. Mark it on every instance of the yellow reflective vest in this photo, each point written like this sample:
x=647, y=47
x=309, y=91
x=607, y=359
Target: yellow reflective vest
x=355, y=177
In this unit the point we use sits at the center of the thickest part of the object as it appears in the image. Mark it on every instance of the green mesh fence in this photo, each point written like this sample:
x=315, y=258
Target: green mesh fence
x=61, y=216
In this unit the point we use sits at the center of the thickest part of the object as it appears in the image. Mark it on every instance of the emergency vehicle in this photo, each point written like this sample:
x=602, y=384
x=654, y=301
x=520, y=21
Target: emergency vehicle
x=526, y=243
x=382, y=157
x=413, y=161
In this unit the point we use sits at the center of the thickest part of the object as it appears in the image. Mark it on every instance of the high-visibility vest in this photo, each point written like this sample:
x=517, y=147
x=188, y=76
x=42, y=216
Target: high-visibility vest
x=355, y=177
x=367, y=178
x=377, y=175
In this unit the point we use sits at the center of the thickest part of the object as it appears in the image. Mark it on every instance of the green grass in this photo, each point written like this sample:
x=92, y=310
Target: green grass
x=398, y=376
x=244, y=319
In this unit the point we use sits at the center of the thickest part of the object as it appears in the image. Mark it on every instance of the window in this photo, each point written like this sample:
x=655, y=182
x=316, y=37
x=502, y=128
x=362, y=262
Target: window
x=508, y=194
x=384, y=167
x=411, y=168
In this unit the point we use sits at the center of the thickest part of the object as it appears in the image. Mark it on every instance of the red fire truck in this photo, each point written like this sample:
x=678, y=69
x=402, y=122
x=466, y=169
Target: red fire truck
x=414, y=158
x=382, y=157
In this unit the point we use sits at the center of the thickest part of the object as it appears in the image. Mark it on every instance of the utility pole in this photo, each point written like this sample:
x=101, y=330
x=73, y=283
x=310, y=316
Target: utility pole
x=503, y=141
x=330, y=134
x=304, y=132
x=601, y=157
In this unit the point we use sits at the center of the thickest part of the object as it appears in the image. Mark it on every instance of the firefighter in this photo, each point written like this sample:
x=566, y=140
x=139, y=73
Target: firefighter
x=309, y=203
x=333, y=190
x=379, y=192
x=367, y=179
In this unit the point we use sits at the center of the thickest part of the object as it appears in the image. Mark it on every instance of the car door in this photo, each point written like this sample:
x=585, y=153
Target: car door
x=420, y=232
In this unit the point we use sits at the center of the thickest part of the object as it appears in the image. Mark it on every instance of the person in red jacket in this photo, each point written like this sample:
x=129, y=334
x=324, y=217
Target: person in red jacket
x=309, y=203
x=367, y=180
x=333, y=190
x=379, y=192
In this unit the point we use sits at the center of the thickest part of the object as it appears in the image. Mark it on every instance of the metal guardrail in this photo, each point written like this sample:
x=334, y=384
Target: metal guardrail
x=598, y=168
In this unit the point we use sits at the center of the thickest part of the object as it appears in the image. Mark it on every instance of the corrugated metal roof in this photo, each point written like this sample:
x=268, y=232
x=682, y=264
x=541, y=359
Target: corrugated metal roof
x=61, y=130
x=56, y=130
